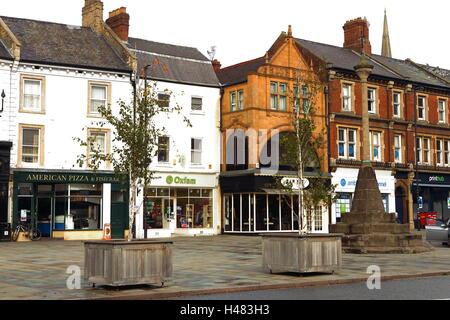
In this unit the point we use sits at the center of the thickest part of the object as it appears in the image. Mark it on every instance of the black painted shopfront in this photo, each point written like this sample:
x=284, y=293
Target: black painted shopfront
x=253, y=204
x=60, y=201
x=5, y=151
x=431, y=194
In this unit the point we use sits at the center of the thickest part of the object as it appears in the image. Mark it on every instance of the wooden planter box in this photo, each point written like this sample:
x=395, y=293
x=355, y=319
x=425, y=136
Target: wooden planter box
x=302, y=254
x=121, y=263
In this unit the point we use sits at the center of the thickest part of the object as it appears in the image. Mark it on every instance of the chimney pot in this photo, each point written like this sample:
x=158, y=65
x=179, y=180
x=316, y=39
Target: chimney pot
x=119, y=22
x=216, y=65
x=356, y=35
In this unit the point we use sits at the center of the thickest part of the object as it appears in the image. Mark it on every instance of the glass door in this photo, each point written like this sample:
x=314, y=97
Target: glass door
x=44, y=211
x=168, y=206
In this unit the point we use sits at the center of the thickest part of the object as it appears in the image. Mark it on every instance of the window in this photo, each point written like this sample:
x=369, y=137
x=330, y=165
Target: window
x=343, y=204
x=196, y=151
x=305, y=99
x=163, y=149
x=32, y=94
x=396, y=97
x=347, y=97
x=196, y=104
x=442, y=110
x=347, y=143
x=439, y=153
x=240, y=100
x=371, y=94
x=233, y=101
x=98, y=98
x=375, y=145
x=398, y=148
x=446, y=152
x=423, y=150
x=426, y=150
x=278, y=98
x=30, y=145
x=99, y=139
x=421, y=108
x=164, y=100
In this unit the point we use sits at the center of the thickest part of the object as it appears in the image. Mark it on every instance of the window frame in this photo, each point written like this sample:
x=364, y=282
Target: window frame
x=423, y=98
x=440, y=155
x=399, y=148
x=192, y=104
x=168, y=150
x=372, y=100
x=399, y=104
x=41, y=147
x=347, y=143
x=107, y=133
x=42, y=98
x=108, y=87
x=379, y=145
x=197, y=150
x=349, y=98
x=445, y=113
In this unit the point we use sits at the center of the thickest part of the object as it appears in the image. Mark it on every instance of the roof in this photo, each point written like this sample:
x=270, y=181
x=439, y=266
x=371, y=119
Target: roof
x=342, y=58
x=173, y=63
x=4, y=53
x=238, y=73
x=444, y=73
x=60, y=44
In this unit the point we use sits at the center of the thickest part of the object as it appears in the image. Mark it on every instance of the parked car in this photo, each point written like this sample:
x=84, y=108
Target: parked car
x=440, y=231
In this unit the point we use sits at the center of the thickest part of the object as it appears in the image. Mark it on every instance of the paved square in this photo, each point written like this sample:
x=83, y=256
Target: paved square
x=37, y=270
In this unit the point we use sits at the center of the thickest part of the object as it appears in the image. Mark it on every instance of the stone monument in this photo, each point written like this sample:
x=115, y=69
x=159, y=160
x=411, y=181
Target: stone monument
x=368, y=228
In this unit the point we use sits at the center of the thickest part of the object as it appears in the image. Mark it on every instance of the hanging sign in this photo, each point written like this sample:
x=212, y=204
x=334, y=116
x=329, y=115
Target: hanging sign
x=294, y=182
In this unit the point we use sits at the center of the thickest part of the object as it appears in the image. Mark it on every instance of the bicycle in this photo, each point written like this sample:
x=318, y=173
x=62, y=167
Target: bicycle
x=33, y=235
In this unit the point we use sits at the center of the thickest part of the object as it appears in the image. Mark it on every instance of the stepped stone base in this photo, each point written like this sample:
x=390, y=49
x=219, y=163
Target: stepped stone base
x=368, y=228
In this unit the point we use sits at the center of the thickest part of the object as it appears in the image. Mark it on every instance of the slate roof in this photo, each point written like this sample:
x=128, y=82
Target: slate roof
x=60, y=44
x=4, y=52
x=173, y=63
x=444, y=73
x=238, y=73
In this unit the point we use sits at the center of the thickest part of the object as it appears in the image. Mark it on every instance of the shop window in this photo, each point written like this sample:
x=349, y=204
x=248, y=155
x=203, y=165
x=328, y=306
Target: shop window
x=24, y=203
x=228, y=212
x=343, y=204
x=385, y=199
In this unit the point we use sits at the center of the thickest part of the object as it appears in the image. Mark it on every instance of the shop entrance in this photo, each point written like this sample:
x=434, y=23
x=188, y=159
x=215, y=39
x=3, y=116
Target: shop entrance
x=399, y=204
x=44, y=213
x=168, y=205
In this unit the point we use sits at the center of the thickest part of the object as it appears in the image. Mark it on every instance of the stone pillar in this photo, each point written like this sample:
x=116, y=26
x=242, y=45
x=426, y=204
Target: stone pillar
x=364, y=69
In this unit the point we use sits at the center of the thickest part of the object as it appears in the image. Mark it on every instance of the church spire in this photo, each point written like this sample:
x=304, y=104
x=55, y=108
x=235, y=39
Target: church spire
x=386, y=46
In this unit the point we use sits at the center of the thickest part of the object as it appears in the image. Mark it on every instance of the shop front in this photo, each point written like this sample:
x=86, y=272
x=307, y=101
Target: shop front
x=5, y=151
x=184, y=204
x=253, y=204
x=345, y=181
x=71, y=205
x=431, y=194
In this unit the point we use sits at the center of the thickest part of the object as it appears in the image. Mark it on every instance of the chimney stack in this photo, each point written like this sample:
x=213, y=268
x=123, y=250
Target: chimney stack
x=119, y=22
x=356, y=36
x=216, y=65
x=93, y=15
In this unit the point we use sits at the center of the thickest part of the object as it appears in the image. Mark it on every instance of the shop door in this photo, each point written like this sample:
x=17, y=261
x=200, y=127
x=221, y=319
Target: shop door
x=168, y=206
x=399, y=208
x=119, y=219
x=44, y=213
x=119, y=214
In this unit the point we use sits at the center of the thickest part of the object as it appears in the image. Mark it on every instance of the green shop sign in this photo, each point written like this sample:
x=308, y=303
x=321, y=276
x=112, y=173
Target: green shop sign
x=179, y=180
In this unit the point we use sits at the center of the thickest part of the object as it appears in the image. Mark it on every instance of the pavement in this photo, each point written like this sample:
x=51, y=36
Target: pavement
x=201, y=266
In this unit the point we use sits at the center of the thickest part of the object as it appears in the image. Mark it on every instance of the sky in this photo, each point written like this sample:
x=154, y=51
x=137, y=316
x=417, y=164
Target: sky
x=245, y=29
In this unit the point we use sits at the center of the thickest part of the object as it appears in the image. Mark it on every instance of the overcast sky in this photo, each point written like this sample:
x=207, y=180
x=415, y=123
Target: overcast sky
x=245, y=29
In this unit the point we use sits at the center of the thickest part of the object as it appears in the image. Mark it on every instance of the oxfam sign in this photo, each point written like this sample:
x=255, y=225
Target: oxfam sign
x=180, y=180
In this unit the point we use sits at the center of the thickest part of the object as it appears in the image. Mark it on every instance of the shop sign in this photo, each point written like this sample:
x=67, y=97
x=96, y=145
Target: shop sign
x=448, y=203
x=352, y=183
x=66, y=178
x=180, y=180
x=436, y=179
x=294, y=182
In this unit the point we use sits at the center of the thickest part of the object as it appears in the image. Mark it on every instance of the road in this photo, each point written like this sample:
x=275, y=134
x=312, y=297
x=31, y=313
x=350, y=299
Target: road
x=433, y=288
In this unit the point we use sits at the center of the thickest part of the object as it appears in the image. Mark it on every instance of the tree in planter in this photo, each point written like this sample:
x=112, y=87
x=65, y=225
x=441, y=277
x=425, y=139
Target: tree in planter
x=135, y=133
x=298, y=150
